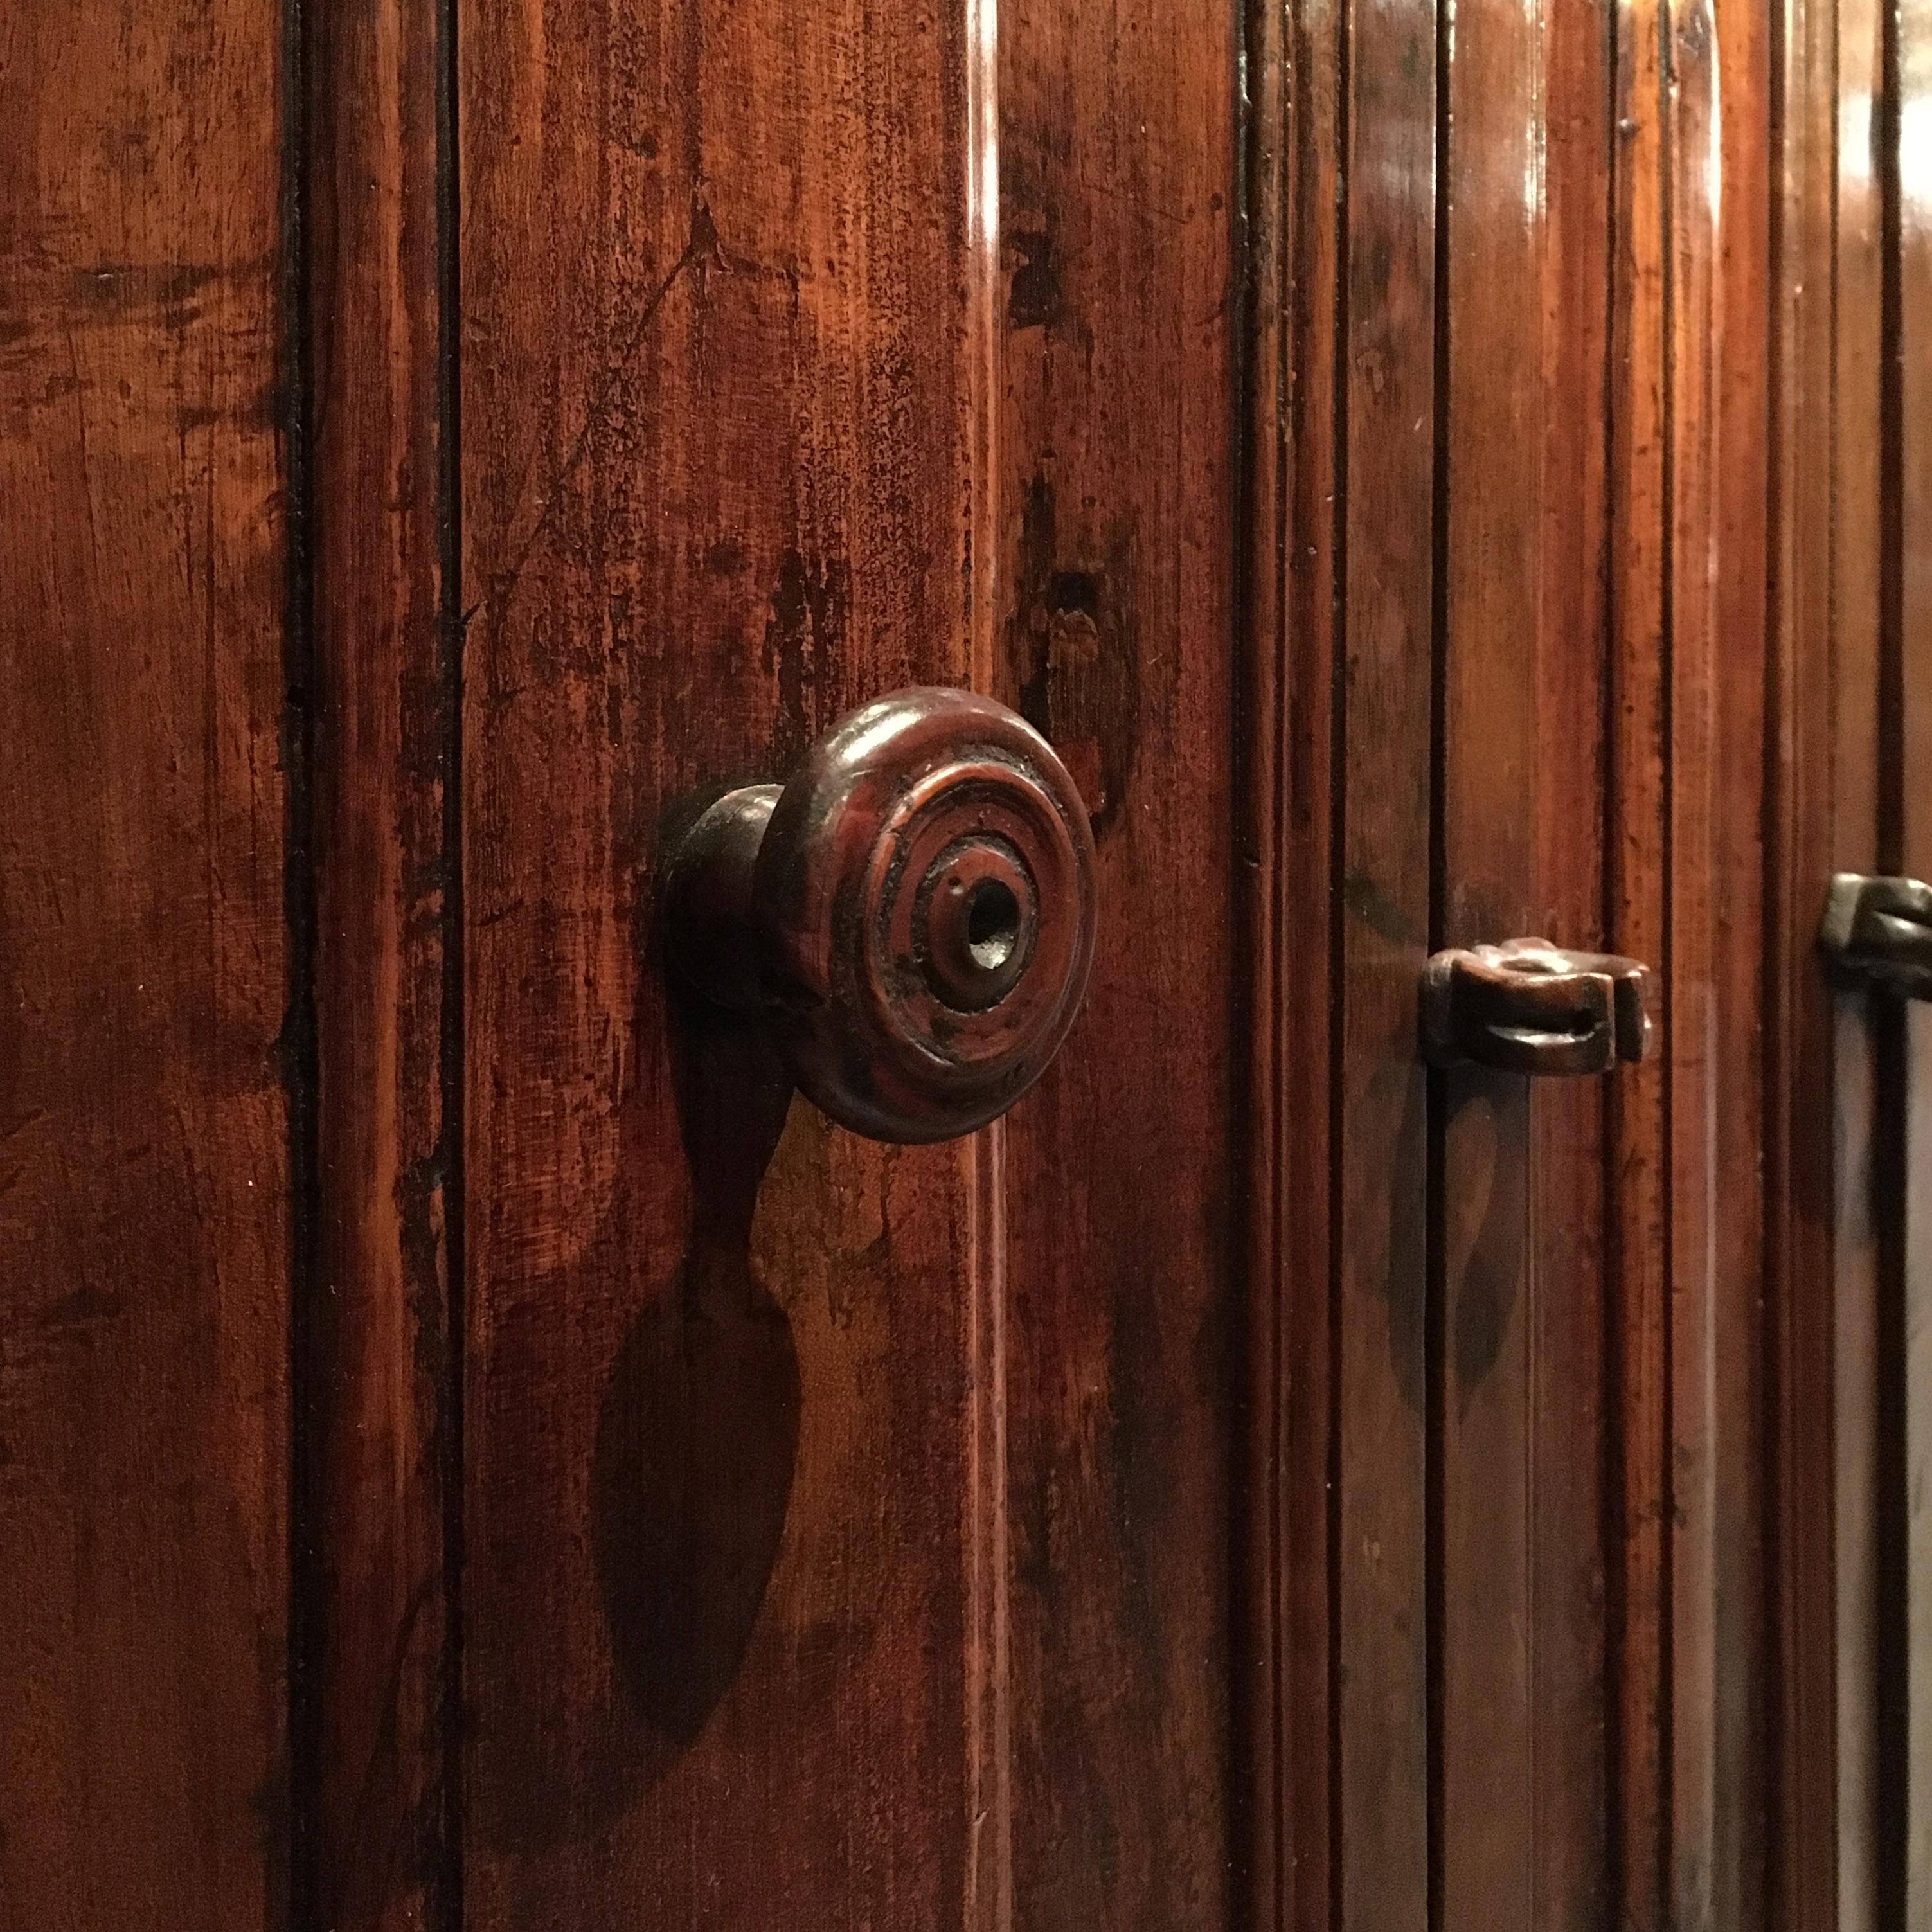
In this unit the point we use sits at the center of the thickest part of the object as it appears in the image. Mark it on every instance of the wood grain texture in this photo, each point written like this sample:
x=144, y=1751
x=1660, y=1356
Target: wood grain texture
x=1297, y=515
x=144, y=1176
x=1489, y=480
x=1838, y=1180
x=1638, y=671
x=1520, y=1359
x=376, y=1430
x=1275, y=1666
x=1436, y=474
x=1822, y=792
x=1385, y=376
x=1720, y=1664
x=1118, y=467
x=1730, y=566
x=1913, y=134
x=725, y=1501
x=1573, y=1190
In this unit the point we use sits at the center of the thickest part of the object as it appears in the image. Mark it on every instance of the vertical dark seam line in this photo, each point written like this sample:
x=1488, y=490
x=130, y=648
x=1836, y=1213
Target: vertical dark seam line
x=1338, y=856
x=1436, y=1280
x=299, y=1045
x=1288, y=443
x=1613, y=1447
x=1667, y=155
x=1287, y=237
x=452, y=1044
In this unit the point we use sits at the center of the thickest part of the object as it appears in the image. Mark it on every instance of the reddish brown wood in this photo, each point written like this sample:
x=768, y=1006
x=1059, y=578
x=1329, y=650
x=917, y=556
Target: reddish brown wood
x=1485, y=1620
x=1912, y=644
x=1386, y=398
x=1719, y=1661
x=376, y=1439
x=1293, y=510
x=726, y=1605
x=1431, y=474
x=1823, y=814
x=1725, y=558
x=911, y=915
x=1270, y=1694
x=1519, y=1371
x=144, y=1170
x=1638, y=801
x=1571, y=1185
x=1117, y=525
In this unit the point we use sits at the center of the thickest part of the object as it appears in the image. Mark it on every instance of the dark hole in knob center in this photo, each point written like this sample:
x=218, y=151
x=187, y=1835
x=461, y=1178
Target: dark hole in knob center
x=992, y=924
x=974, y=929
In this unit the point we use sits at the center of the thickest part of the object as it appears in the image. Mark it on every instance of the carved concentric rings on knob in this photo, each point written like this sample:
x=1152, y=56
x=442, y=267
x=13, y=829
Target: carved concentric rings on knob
x=917, y=918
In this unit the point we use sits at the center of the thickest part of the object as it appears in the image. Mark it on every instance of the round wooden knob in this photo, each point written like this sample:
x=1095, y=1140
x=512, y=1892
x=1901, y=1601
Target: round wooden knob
x=912, y=912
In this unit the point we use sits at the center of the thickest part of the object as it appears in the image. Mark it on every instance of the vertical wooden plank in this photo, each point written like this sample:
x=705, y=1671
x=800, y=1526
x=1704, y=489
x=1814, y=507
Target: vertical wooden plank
x=1726, y=568
x=1821, y=813
x=1640, y=670
x=1492, y=492
x=717, y=286
x=1717, y=458
x=1693, y=887
x=1271, y=1673
x=1571, y=1185
x=1832, y=634
x=1386, y=395
x=1119, y=181
x=1912, y=129
x=376, y=1432
x=144, y=971
x=1297, y=418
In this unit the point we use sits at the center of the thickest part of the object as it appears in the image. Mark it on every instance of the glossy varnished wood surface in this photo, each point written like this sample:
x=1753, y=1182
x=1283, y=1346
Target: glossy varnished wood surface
x=1585, y=1701
x=1115, y=515
x=373, y=1346
x=723, y=1619
x=144, y=1176
x=1435, y=476
x=1518, y=1633
x=1912, y=412
x=1383, y=376
x=1824, y=768
x=1848, y=1264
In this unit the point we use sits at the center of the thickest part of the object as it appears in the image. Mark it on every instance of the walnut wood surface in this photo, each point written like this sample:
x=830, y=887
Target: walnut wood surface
x=374, y=1345
x=1430, y=475
x=724, y=1625
x=1846, y=1267
x=1116, y=510
x=145, y=1183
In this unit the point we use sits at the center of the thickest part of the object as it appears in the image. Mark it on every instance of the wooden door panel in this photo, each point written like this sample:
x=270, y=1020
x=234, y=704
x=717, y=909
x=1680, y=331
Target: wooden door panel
x=727, y=1611
x=1575, y=1671
x=147, y=763
x=1385, y=378
x=1849, y=715
x=378, y=1439
x=1518, y=1356
x=1912, y=135
x=1115, y=525
x=1436, y=474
